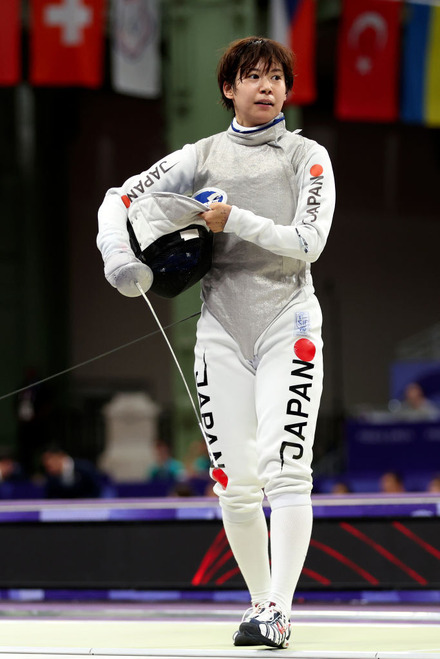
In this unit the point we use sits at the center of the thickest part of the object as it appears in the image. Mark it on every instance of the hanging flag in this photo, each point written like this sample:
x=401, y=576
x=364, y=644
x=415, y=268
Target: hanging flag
x=368, y=60
x=10, y=47
x=67, y=42
x=293, y=23
x=135, y=47
x=421, y=65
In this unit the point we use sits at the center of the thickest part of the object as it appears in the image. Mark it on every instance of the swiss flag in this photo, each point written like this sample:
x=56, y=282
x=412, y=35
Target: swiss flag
x=10, y=46
x=368, y=60
x=67, y=42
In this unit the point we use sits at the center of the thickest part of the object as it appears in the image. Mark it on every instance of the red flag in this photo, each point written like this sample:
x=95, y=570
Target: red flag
x=10, y=55
x=67, y=42
x=293, y=23
x=303, y=43
x=368, y=60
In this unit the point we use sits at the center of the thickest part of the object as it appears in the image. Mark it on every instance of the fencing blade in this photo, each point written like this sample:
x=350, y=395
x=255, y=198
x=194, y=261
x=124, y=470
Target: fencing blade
x=159, y=324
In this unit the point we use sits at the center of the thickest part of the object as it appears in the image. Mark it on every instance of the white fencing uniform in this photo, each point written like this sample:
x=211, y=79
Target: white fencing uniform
x=259, y=349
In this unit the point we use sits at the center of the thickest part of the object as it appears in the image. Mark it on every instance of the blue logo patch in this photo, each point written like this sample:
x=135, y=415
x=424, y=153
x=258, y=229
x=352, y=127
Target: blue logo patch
x=302, y=322
x=210, y=195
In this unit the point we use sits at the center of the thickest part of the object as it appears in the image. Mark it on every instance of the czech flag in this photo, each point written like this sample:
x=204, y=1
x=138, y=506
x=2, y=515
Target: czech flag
x=293, y=23
x=421, y=66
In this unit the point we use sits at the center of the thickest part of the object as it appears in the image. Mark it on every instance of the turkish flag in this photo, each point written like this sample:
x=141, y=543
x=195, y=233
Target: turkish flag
x=368, y=60
x=67, y=42
x=10, y=46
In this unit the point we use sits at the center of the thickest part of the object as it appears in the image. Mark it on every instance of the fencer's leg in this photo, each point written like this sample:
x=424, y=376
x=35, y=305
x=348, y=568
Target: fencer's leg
x=248, y=540
x=225, y=387
x=288, y=392
x=290, y=532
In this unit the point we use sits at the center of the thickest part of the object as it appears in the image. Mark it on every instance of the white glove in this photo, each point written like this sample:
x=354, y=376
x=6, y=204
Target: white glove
x=122, y=270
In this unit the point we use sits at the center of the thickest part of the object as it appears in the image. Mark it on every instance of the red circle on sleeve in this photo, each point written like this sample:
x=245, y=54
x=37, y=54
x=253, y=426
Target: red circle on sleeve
x=304, y=350
x=316, y=170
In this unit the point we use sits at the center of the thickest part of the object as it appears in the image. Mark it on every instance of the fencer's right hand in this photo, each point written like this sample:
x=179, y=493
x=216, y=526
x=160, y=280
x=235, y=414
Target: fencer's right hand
x=122, y=270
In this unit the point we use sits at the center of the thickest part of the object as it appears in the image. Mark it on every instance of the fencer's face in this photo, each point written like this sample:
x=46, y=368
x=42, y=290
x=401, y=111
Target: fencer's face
x=258, y=96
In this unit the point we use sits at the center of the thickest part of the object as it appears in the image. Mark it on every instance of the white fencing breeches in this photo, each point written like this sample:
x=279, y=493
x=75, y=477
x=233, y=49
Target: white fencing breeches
x=260, y=417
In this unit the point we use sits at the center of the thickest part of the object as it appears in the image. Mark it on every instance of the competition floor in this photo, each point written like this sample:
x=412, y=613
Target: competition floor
x=33, y=631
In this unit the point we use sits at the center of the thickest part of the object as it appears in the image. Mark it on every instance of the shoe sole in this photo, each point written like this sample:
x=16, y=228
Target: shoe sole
x=249, y=631
x=242, y=639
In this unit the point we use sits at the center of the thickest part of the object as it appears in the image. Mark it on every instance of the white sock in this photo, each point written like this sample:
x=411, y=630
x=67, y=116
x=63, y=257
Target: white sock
x=290, y=531
x=249, y=541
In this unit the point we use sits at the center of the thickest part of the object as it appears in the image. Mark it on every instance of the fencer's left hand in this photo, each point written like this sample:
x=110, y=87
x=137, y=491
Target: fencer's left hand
x=217, y=216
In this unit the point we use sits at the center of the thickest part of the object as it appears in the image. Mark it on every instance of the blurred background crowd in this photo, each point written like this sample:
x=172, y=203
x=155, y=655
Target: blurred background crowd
x=90, y=401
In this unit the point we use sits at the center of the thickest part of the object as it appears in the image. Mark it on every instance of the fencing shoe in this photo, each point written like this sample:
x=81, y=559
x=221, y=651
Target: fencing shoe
x=264, y=625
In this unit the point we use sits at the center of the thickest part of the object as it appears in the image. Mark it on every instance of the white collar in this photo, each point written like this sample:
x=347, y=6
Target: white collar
x=255, y=129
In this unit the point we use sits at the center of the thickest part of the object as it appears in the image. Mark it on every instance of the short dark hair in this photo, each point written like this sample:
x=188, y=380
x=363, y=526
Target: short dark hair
x=243, y=55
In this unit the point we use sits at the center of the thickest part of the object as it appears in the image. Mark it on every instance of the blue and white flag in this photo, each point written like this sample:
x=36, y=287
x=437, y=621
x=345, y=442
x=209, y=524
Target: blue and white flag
x=135, y=47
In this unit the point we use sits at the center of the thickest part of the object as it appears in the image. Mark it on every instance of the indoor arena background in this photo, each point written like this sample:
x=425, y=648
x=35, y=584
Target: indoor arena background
x=143, y=567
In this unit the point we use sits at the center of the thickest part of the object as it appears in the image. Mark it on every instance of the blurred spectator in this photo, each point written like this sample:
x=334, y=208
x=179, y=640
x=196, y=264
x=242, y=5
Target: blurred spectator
x=340, y=487
x=70, y=478
x=434, y=484
x=182, y=490
x=415, y=406
x=11, y=474
x=391, y=482
x=34, y=408
x=10, y=469
x=166, y=468
x=197, y=461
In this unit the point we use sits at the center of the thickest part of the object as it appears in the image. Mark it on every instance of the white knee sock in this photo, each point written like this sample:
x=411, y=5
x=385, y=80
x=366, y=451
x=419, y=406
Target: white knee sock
x=290, y=531
x=249, y=542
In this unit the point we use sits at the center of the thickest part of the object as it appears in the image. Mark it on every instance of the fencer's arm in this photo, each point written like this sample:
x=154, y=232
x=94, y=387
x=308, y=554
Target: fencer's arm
x=305, y=238
x=175, y=173
x=121, y=268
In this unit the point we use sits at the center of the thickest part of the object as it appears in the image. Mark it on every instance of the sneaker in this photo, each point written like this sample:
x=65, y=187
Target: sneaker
x=243, y=639
x=267, y=625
